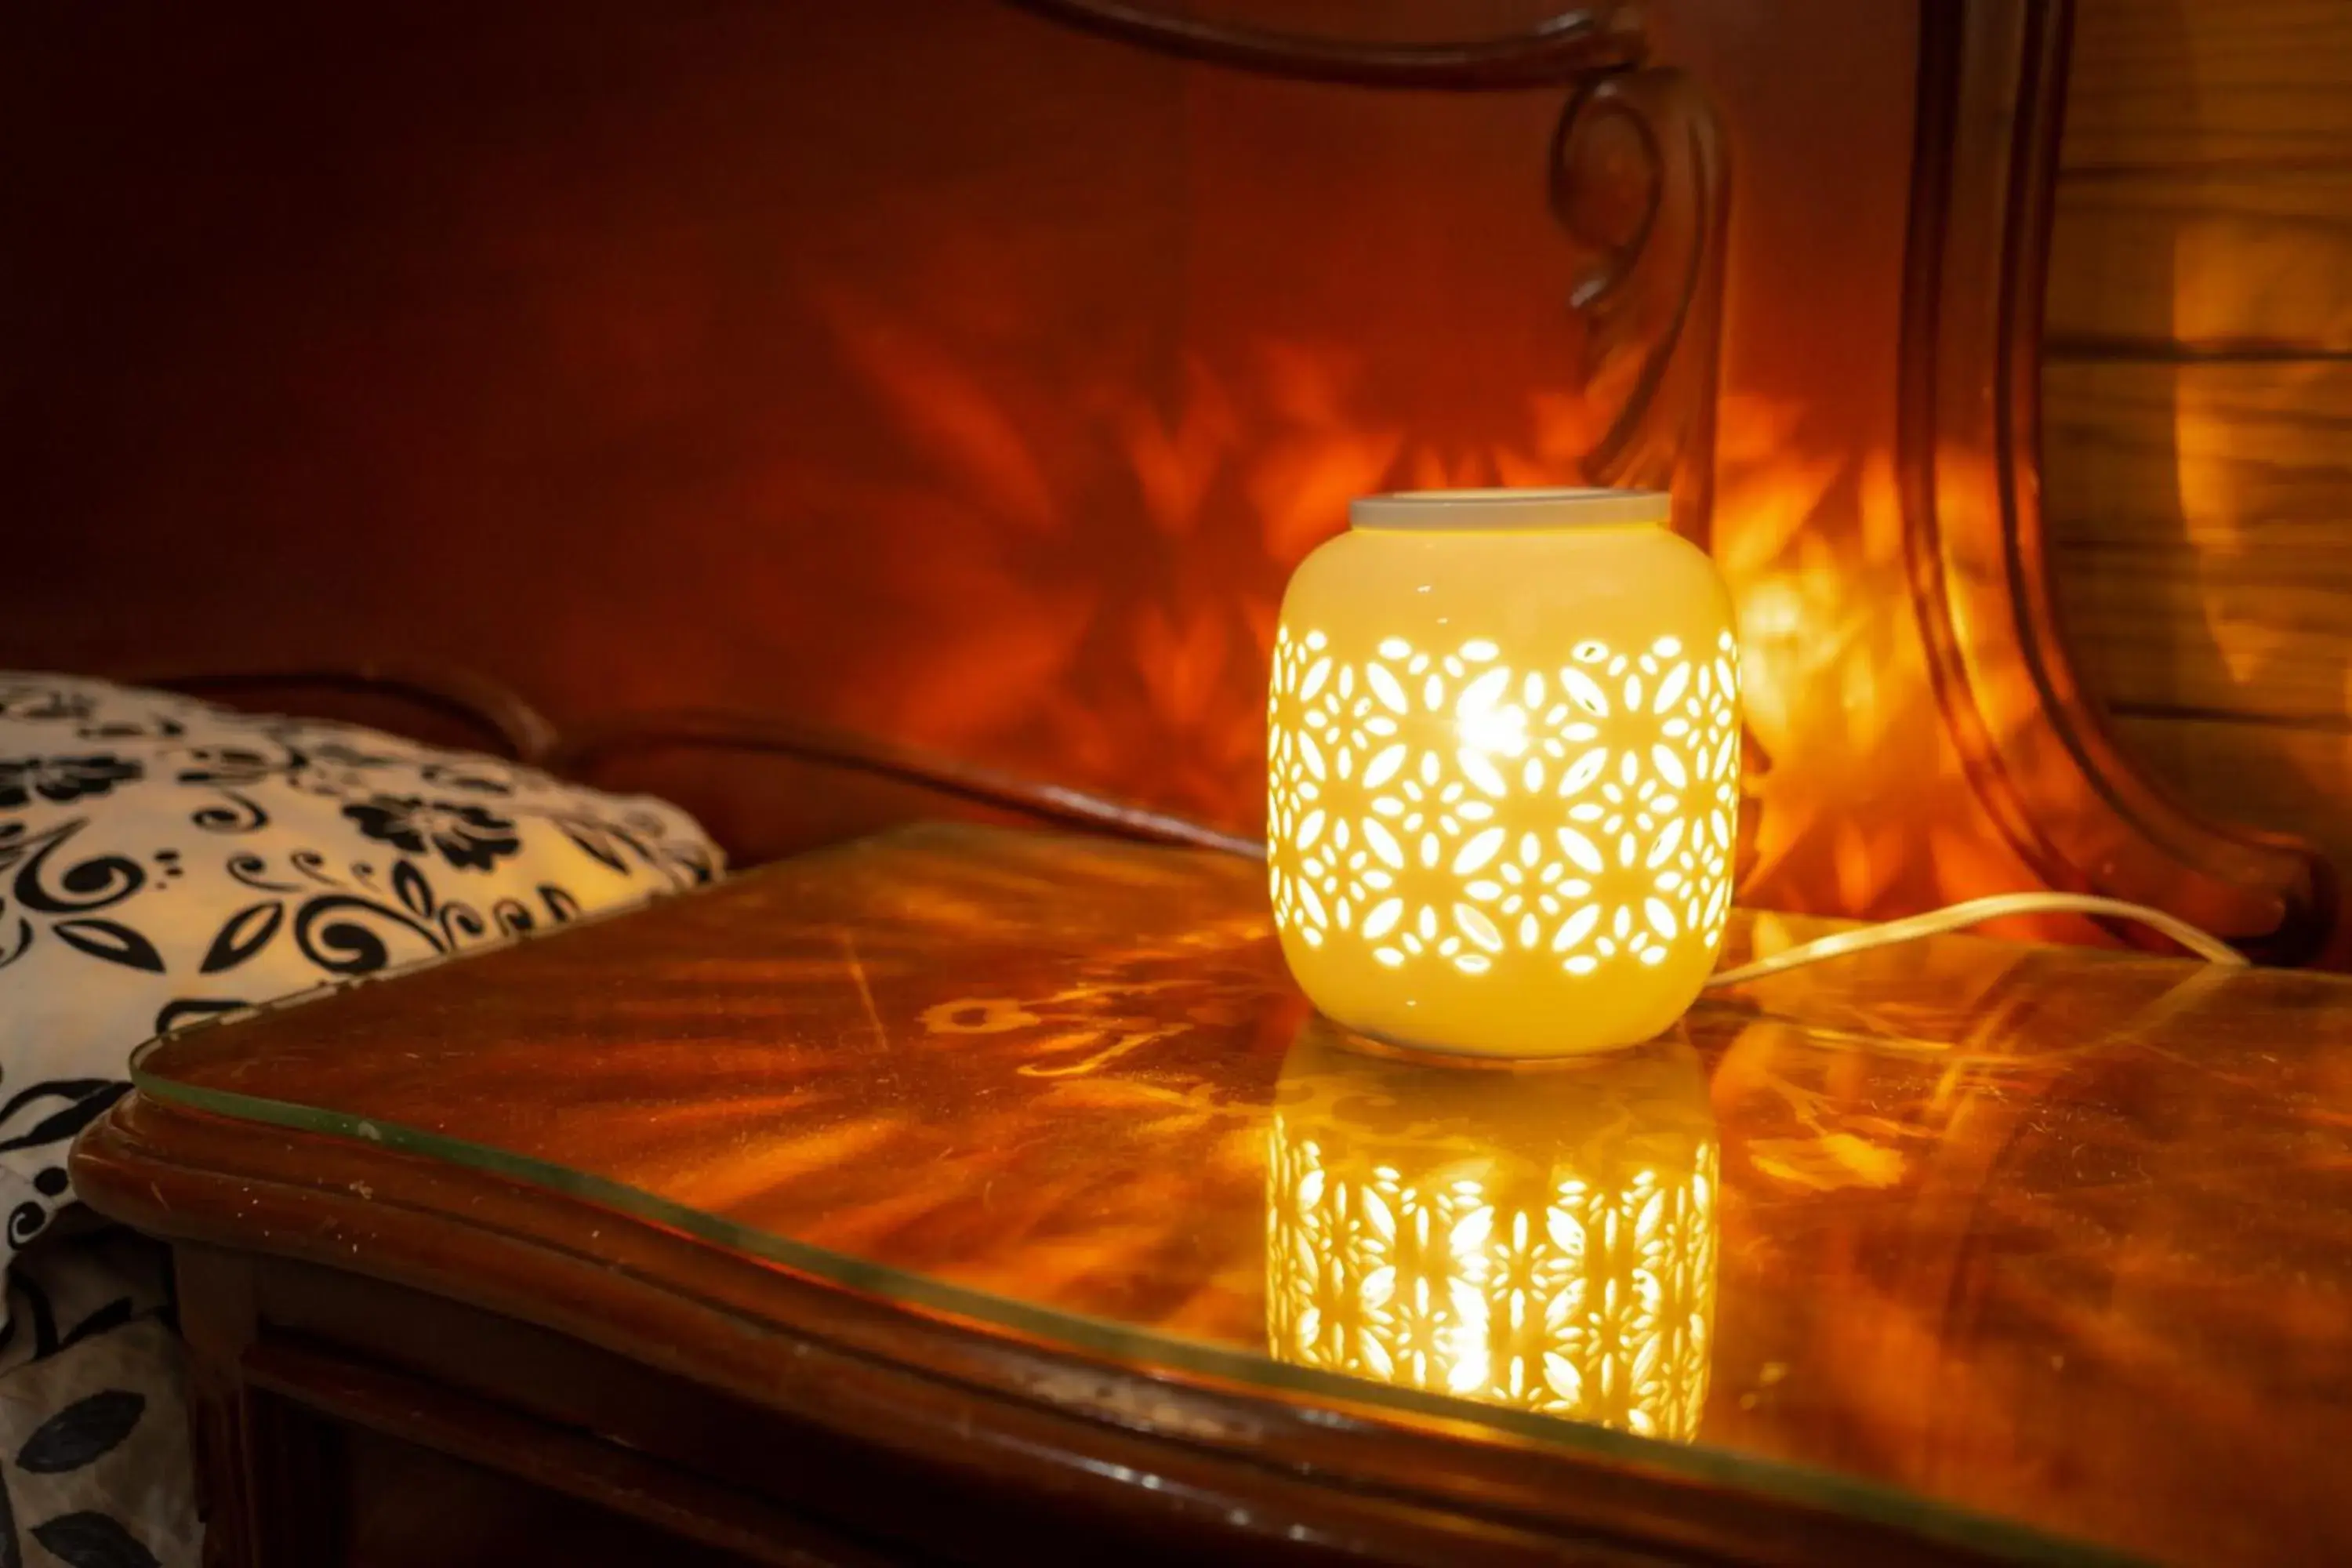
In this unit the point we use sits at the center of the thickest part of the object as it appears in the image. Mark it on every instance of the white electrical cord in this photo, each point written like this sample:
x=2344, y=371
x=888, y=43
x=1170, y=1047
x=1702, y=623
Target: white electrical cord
x=1890, y=933
x=1937, y=921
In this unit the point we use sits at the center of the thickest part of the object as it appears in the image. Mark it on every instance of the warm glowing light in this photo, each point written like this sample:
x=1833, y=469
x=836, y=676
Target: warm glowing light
x=1503, y=772
x=1542, y=1241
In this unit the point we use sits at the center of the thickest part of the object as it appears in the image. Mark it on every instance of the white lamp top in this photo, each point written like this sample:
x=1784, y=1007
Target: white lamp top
x=1512, y=510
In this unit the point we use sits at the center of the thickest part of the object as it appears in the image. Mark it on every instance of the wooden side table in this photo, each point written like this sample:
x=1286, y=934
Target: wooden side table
x=966, y=1196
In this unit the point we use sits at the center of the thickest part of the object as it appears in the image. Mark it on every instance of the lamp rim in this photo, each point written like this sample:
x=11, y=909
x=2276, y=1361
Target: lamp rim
x=1507, y=510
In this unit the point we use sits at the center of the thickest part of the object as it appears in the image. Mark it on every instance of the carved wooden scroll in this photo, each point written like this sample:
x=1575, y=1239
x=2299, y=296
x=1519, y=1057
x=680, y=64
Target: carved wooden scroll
x=1562, y=48
x=1638, y=182
x=2074, y=807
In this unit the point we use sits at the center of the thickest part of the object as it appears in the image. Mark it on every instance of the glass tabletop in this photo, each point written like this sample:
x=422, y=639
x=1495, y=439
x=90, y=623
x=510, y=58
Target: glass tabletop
x=2042, y=1249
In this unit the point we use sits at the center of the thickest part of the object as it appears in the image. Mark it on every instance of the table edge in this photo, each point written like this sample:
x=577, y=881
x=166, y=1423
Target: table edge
x=754, y=1328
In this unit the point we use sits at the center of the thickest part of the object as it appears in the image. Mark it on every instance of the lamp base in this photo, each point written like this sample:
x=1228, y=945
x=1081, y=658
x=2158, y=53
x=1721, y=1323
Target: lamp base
x=1390, y=1047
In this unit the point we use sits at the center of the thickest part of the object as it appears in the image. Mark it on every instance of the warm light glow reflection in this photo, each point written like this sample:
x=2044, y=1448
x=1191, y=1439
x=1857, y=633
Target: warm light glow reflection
x=1857, y=802
x=1084, y=585
x=1543, y=1241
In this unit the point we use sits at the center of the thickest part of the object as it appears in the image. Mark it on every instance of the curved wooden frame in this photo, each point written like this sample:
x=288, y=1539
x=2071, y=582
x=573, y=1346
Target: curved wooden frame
x=2073, y=805
x=526, y=735
x=1560, y=49
x=577, y=754
x=447, y=692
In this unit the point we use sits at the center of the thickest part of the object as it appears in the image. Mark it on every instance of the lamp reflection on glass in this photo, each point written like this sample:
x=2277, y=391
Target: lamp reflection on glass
x=1542, y=1239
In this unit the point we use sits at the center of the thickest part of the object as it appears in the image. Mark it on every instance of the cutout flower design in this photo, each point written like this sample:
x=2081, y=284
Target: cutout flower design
x=1530, y=890
x=1432, y=829
x=1543, y=1286
x=1427, y=814
x=1401, y=789
x=1339, y=867
x=468, y=837
x=61, y=779
x=1294, y=792
x=1342, y=721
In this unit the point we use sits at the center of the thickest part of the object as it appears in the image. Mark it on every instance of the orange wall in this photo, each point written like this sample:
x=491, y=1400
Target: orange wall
x=924, y=369
x=930, y=370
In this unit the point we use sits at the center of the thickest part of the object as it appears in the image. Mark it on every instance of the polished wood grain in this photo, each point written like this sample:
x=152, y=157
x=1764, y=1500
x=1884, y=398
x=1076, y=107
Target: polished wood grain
x=2202, y=528
x=1998, y=668
x=2201, y=260
x=2212, y=83
x=953, y=1149
x=2299, y=776
x=2199, y=315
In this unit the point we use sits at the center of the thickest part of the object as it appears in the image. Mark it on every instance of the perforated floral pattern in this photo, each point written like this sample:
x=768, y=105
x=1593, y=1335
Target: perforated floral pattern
x=1451, y=807
x=1578, y=1297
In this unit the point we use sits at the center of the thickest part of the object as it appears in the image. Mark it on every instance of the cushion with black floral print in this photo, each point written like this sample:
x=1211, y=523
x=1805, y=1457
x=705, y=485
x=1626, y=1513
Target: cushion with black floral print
x=165, y=862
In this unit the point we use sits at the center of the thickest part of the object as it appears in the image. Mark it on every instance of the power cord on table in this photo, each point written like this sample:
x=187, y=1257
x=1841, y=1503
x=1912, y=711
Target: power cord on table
x=1169, y=828
x=1889, y=933
x=1935, y=922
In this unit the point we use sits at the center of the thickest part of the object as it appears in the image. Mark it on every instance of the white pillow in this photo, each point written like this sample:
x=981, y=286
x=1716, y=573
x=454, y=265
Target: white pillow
x=163, y=860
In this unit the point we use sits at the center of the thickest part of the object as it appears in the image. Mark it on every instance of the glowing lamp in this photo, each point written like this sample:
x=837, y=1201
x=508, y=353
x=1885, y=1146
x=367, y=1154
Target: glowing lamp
x=1503, y=771
x=1543, y=1239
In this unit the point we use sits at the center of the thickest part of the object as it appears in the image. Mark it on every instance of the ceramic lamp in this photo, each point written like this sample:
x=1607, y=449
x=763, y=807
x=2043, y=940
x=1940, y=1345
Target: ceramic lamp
x=1504, y=771
x=1542, y=1239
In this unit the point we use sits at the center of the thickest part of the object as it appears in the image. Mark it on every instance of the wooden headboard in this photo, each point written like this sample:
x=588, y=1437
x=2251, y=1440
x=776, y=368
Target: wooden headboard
x=966, y=376
x=765, y=785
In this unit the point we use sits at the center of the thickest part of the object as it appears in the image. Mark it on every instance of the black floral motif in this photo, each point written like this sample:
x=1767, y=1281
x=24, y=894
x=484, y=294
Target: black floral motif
x=235, y=869
x=349, y=756
x=83, y=888
x=46, y=1117
x=88, y=1538
x=160, y=727
x=112, y=940
x=62, y=779
x=82, y=1432
x=40, y=1323
x=695, y=859
x=229, y=769
x=78, y=1487
x=52, y=1112
x=242, y=935
x=43, y=702
x=465, y=775
x=470, y=837
x=236, y=765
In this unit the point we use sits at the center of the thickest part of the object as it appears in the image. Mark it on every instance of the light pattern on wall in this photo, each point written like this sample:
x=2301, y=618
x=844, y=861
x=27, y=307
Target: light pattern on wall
x=1553, y=1252
x=1453, y=807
